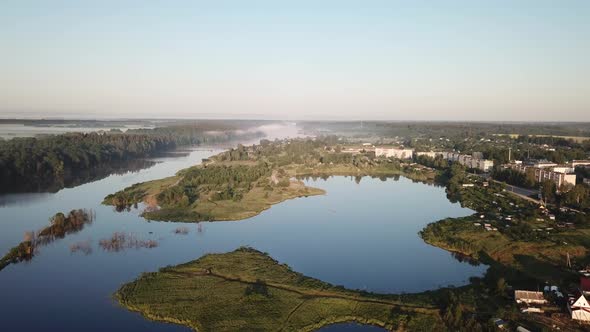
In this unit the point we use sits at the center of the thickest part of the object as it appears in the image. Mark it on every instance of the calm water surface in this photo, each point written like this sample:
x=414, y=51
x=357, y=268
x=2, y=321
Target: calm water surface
x=360, y=235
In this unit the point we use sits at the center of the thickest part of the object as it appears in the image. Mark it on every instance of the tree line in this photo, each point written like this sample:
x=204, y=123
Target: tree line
x=41, y=162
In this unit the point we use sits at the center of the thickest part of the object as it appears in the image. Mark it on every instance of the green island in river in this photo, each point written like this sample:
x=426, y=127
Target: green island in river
x=248, y=290
x=522, y=243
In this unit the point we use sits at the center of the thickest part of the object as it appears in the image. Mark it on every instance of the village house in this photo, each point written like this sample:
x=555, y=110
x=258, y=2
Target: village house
x=578, y=307
x=577, y=303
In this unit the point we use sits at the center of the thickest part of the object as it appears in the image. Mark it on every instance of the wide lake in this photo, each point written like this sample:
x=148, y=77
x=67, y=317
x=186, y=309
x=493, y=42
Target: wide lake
x=361, y=235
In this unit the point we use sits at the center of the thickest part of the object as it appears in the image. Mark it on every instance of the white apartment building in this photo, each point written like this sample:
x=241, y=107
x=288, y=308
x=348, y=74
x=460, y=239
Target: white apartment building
x=560, y=175
x=394, y=153
x=430, y=154
x=468, y=160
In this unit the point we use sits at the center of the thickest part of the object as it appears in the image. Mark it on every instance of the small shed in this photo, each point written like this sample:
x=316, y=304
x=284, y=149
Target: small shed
x=529, y=297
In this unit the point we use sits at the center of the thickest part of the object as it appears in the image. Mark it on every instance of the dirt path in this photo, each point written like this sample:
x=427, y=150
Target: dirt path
x=291, y=314
x=315, y=293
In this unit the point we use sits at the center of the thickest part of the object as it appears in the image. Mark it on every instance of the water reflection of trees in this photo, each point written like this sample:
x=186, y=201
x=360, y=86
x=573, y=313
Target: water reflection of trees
x=70, y=179
x=465, y=259
x=356, y=178
x=120, y=241
x=84, y=247
x=60, y=226
x=382, y=177
x=181, y=230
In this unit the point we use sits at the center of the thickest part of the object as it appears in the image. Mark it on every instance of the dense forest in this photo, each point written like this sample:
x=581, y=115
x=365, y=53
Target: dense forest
x=36, y=164
x=227, y=182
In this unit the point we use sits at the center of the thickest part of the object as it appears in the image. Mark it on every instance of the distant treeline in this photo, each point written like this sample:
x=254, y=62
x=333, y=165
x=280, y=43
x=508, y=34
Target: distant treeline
x=41, y=163
x=426, y=129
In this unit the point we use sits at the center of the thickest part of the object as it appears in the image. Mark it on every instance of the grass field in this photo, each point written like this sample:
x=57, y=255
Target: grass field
x=246, y=290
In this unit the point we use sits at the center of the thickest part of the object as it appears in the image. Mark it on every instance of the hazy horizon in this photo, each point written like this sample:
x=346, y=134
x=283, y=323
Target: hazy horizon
x=523, y=61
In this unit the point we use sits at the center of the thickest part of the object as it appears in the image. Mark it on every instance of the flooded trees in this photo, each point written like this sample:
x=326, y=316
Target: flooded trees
x=60, y=226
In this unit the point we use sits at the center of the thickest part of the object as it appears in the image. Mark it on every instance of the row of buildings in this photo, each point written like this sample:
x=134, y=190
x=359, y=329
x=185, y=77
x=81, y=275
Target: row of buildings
x=474, y=160
x=394, y=153
x=577, y=302
x=543, y=170
x=561, y=175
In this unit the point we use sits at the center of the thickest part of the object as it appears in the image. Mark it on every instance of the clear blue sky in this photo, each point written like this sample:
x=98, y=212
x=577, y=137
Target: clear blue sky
x=398, y=60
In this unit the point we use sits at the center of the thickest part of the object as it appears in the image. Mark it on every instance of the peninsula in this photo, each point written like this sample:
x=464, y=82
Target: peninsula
x=245, y=288
x=243, y=182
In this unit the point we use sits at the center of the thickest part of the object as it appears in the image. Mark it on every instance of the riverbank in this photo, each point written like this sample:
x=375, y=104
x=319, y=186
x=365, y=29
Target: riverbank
x=512, y=232
x=246, y=288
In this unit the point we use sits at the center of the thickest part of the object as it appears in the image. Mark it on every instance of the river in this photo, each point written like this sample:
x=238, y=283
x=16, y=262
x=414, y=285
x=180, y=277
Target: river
x=359, y=235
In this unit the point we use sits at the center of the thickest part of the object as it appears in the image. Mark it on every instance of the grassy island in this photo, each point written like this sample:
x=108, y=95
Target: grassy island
x=243, y=182
x=248, y=290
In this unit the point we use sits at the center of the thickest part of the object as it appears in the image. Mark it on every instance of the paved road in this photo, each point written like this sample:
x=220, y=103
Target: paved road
x=519, y=191
x=522, y=191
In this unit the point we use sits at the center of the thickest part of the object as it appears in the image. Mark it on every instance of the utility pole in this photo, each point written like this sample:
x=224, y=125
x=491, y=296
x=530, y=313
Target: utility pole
x=509, y=154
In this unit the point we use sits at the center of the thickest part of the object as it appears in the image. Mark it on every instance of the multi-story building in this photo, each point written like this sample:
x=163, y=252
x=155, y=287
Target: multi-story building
x=541, y=164
x=394, y=153
x=468, y=160
x=484, y=164
x=560, y=178
x=576, y=163
x=430, y=154
x=560, y=175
